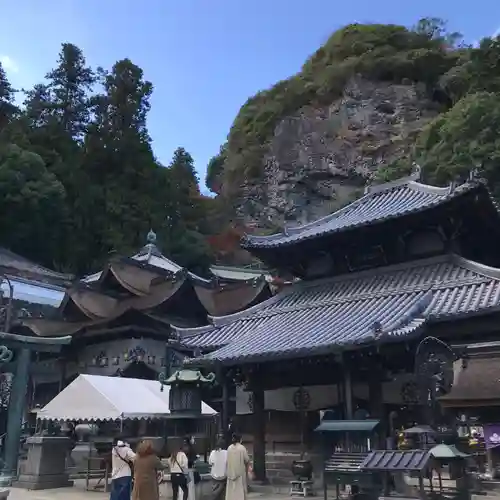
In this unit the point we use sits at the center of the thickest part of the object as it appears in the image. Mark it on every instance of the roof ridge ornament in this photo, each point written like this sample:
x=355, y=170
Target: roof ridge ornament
x=150, y=248
x=151, y=237
x=377, y=329
x=416, y=172
x=476, y=177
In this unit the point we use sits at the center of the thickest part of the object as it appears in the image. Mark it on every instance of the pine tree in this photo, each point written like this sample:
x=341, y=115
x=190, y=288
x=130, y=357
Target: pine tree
x=7, y=93
x=120, y=159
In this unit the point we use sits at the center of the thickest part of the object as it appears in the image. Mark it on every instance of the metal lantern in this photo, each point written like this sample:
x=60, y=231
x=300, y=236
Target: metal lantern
x=185, y=391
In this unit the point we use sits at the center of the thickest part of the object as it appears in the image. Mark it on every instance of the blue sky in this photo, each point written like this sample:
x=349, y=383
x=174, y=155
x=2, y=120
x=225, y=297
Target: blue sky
x=204, y=57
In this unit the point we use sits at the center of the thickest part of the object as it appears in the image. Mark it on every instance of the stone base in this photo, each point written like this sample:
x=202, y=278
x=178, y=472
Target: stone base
x=4, y=493
x=45, y=466
x=46, y=482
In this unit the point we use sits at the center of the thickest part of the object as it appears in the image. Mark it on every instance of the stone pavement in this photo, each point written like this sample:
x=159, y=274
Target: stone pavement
x=78, y=492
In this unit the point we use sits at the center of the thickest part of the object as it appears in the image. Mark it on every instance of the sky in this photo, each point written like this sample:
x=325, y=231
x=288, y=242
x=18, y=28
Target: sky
x=204, y=57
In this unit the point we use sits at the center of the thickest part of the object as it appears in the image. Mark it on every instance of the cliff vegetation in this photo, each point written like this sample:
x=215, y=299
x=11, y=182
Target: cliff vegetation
x=369, y=102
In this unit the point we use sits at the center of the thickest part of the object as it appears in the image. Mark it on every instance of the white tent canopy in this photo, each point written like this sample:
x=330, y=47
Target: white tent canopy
x=99, y=398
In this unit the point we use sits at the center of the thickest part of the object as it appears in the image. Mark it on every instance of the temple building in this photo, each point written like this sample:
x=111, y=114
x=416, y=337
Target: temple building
x=33, y=289
x=120, y=319
x=389, y=286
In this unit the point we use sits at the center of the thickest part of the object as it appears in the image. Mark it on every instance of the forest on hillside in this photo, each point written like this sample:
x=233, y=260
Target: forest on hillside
x=462, y=81
x=79, y=178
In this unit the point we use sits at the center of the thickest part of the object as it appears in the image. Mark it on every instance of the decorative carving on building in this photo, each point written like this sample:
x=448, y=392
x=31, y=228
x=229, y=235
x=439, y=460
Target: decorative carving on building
x=135, y=355
x=6, y=354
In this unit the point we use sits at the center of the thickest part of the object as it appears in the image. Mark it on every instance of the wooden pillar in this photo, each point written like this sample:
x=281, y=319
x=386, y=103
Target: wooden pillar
x=259, y=434
x=347, y=391
x=62, y=374
x=376, y=402
x=17, y=404
x=225, y=408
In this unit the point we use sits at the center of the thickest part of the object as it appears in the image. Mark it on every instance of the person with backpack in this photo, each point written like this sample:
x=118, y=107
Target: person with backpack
x=122, y=460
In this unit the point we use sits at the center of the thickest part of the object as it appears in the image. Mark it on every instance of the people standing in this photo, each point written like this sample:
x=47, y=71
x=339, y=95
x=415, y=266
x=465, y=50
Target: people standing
x=178, y=464
x=147, y=466
x=236, y=470
x=122, y=459
x=218, y=463
x=194, y=477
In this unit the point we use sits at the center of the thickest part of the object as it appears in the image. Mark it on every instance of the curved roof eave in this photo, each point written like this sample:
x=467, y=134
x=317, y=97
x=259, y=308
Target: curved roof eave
x=384, y=206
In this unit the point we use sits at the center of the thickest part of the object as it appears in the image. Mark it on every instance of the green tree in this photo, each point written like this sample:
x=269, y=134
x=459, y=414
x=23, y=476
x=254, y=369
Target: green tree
x=56, y=118
x=70, y=85
x=215, y=169
x=477, y=70
x=119, y=159
x=184, y=190
x=464, y=138
x=31, y=206
x=7, y=93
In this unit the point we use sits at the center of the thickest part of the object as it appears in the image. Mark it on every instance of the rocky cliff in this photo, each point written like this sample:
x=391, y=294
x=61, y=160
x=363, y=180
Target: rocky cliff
x=366, y=105
x=320, y=158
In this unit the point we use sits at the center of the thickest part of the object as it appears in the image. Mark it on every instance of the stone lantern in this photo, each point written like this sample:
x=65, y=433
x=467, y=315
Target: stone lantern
x=186, y=390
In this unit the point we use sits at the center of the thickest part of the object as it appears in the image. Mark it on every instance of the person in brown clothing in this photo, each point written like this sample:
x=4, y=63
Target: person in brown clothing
x=146, y=468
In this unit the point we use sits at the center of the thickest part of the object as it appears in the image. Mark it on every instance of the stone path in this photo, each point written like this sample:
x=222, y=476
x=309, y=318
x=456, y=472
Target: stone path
x=78, y=492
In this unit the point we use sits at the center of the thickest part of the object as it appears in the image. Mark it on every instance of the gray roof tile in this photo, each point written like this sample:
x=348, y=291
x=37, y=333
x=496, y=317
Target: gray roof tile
x=319, y=316
x=396, y=460
x=383, y=202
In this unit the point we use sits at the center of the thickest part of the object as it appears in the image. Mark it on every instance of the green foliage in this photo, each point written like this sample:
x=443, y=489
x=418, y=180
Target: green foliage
x=31, y=204
x=477, y=70
x=7, y=107
x=78, y=177
x=215, y=169
x=375, y=51
x=464, y=138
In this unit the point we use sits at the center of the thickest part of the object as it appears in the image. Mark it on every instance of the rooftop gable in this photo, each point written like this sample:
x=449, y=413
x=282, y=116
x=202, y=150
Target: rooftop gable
x=380, y=203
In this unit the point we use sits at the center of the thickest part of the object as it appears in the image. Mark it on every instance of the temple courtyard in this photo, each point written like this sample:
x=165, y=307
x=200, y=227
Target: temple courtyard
x=78, y=493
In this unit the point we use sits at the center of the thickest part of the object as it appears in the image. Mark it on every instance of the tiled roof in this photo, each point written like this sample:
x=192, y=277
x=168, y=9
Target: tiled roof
x=380, y=203
x=396, y=460
x=382, y=304
x=10, y=260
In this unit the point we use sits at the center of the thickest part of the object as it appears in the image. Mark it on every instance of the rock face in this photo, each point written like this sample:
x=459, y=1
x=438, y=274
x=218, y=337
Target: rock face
x=321, y=157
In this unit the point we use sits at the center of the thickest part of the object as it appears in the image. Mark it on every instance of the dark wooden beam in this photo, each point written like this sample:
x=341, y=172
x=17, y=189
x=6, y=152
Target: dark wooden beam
x=259, y=434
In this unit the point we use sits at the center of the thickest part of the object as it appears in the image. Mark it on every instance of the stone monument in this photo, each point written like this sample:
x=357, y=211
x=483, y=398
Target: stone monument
x=45, y=466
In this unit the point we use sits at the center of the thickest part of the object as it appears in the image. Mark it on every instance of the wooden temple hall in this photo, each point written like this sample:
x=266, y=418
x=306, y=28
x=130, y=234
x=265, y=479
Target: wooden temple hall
x=120, y=319
x=396, y=291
